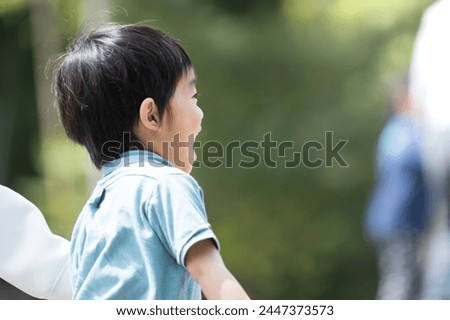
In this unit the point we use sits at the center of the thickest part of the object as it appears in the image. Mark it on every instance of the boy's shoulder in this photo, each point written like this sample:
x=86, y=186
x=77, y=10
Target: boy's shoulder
x=145, y=181
x=153, y=173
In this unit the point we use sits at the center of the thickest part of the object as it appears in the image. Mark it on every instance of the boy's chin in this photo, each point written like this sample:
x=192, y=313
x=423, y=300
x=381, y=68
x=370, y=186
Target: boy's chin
x=187, y=165
x=187, y=168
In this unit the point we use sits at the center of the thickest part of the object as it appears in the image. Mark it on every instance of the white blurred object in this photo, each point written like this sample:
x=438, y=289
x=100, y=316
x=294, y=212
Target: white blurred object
x=430, y=88
x=430, y=69
x=32, y=258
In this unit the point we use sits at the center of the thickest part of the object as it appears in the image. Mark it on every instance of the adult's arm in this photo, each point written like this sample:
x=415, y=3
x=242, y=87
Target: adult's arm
x=32, y=258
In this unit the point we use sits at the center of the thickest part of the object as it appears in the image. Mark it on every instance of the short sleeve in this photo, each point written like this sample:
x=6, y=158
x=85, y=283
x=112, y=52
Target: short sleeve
x=177, y=214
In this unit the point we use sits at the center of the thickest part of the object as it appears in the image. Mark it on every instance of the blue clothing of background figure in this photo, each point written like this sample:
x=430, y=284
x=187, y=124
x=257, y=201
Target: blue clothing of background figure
x=398, y=202
x=396, y=215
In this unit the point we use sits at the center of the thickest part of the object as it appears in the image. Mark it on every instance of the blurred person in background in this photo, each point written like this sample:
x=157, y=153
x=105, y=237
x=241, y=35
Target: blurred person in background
x=32, y=258
x=430, y=87
x=396, y=214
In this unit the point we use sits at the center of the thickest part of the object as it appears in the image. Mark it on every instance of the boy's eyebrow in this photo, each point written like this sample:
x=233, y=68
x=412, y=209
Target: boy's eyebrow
x=192, y=82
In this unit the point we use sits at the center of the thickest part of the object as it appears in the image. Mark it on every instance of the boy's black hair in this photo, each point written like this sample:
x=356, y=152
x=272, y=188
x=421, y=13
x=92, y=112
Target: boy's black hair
x=103, y=78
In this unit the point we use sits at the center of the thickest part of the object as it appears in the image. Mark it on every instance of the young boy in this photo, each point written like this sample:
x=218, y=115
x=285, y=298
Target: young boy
x=127, y=93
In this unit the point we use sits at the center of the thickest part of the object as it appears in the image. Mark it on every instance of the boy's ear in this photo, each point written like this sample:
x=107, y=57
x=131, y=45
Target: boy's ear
x=149, y=114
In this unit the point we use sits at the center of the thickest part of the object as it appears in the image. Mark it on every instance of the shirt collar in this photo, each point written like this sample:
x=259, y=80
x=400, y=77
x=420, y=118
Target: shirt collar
x=140, y=157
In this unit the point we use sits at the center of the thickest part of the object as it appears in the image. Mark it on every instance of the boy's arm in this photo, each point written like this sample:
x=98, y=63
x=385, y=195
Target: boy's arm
x=206, y=266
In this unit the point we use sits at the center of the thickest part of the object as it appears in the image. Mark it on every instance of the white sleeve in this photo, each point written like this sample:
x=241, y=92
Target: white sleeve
x=32, y=258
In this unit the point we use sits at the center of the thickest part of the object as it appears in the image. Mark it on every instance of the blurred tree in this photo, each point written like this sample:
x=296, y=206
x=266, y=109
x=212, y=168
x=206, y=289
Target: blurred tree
x=245, y=7
x=18, y=114
x=46, y=43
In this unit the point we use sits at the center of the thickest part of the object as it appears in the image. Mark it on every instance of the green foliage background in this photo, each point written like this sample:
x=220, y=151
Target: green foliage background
x=295, y=68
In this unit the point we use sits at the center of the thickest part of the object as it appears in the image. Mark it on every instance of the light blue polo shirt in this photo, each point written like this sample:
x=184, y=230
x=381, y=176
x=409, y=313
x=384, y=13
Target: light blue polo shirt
x=131, y=238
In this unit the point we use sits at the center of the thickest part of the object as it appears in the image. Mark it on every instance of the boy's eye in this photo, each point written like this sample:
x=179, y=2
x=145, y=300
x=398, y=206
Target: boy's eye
x=196, y=95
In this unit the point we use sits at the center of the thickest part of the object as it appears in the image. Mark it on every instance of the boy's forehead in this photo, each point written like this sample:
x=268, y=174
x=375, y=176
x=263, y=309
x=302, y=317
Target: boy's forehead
x=191, y=77
x=188, y=79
